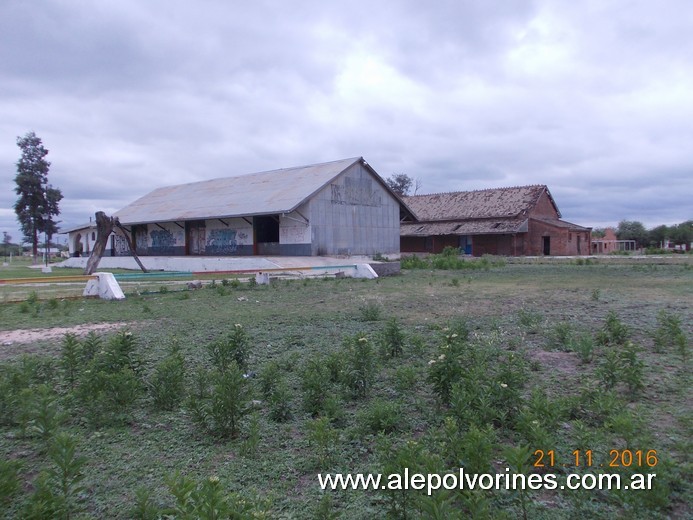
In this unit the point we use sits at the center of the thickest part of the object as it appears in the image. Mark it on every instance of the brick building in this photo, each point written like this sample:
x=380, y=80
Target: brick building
x=520, y=221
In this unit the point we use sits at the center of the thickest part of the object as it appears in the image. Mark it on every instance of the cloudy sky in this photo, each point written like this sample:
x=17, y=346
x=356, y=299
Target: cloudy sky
x=593, y=98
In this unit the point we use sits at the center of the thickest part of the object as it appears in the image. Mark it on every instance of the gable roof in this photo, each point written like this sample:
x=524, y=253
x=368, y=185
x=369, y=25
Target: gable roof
x=479, y=204
x=263, y=193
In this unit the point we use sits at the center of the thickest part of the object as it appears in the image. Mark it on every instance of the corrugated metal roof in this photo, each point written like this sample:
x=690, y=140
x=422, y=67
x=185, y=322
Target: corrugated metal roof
x=491, y=203
x=270, y=192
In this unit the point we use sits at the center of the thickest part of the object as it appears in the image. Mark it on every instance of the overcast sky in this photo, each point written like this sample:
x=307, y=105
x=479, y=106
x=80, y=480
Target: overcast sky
x=592, y=98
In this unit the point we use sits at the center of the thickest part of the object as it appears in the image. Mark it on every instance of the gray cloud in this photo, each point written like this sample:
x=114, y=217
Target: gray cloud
x=593, y=99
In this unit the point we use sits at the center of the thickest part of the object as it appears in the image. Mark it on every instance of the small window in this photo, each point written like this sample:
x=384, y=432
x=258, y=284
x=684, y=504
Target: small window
x=496, y=225
x=93, y=235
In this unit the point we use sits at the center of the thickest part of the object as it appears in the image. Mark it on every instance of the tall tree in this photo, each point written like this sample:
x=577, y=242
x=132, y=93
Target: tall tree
x=632, y=230
x=38, y=201
x=400, y=183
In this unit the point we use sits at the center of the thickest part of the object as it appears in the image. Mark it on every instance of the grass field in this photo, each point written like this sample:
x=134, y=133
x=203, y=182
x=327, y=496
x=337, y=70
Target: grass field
x=430, y=370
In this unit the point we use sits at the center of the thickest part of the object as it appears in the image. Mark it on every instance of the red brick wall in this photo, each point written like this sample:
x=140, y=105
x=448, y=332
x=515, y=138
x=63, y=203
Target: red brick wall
x=544, y=208
x=563, y=241
x=492, y=245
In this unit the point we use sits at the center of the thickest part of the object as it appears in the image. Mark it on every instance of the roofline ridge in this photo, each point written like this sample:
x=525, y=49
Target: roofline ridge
x=480, y=190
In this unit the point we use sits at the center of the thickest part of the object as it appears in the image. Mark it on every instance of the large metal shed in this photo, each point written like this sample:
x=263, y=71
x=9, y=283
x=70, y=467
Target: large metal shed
x=335, y=208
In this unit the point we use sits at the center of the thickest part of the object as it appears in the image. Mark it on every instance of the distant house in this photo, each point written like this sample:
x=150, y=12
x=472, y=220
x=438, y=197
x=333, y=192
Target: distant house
x=516, y=221
x=336, y=208
x=610, y=243
x=81, y=239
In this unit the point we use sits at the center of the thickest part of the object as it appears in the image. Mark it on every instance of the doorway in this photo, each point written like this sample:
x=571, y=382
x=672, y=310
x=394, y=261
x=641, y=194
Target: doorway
x=266, y=234
x=195, y=237
x=547, y=246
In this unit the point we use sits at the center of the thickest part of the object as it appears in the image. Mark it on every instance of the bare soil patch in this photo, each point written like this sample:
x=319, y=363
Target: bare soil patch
x=9, y=339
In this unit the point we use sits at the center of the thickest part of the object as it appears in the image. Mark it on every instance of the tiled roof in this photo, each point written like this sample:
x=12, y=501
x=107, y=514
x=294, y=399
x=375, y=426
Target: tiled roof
x=464, y=227
x=491, y=203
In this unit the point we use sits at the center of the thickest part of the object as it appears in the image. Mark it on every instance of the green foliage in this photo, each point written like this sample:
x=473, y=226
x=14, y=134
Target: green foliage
x=315, y=383
x=38, y=201
x=9, y=480
x=234, y=348
x=39, y=412
x=251, y=443
x=614, y=332
x=583, y=346
x=208, y=499
x=371, y=311
x=269, y=377
x=167, y=383
x=322, y=438
x=71, y=358
x=17, y=380
x=280, y=402
x=529, y=319
x=518, y=459
x=59, y=492
x=381, y=416
x=669, y=334
x=392, y=339
x=220, y=400
x=562, y=336
x=359, y=366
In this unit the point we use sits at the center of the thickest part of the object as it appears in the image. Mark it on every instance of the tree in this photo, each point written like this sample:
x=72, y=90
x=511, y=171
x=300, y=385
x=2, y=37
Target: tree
x=400, y=183
x=632, y=230
x=38, y=201
x=6, y=243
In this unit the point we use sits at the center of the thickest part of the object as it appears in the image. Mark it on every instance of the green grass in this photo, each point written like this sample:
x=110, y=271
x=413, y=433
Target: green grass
x=292, y=322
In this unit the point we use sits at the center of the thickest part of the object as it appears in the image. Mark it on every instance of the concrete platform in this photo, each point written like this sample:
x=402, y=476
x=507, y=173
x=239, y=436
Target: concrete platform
x=218, y=263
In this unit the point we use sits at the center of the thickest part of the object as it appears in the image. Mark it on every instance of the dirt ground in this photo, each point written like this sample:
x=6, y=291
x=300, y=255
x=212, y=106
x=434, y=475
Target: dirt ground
x=9, y=339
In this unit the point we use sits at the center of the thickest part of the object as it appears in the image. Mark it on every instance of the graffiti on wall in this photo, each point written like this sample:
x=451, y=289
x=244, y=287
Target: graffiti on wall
x=163, y=242
x=120, y=246
x=221, y=242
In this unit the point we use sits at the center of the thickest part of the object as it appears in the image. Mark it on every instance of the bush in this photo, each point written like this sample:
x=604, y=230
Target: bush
x=370, y=311
x=381, y=417
x=167, y=383
x=220, y=400
x=359, y=366
x=58, y=490
x=613, y=331
x=392, y=339
x=232, y=349
x=315, y=383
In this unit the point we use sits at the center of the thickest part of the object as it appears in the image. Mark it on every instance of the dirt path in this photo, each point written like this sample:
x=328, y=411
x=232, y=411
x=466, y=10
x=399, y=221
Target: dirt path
x=9, y=339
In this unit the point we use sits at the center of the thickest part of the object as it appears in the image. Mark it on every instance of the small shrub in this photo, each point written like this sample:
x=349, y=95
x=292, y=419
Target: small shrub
x=269, y=378
x=91, y=345
x=381, y=417
x=392, y=339
x=9, y=480
x=251, y=443
x=669, y=334
x=530, y=320
x=39, y=412
x=71, y=358
x=231, y=349
x=359, y=366
x=596, y=294
x=280, y=402
x=163, y=289
x=583, y=346
x=315, y=383
x=608, y=371
x=322, y=437
x=614, y=332
x=405, y=378
x=207, y=499
x=58, y=489
x=562, y=336
x=167, y=383
x=220, y=400
x=371, y=311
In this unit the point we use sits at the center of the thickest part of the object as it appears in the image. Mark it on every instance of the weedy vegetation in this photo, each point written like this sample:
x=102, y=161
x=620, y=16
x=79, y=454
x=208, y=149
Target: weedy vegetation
x=229, y=402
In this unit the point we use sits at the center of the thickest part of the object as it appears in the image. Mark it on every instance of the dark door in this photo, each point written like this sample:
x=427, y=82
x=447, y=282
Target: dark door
x=547, y=246
x=195, y=237
x=266, y=232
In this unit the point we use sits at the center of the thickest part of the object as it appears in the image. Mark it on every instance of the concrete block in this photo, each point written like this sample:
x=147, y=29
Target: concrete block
x=105, y=286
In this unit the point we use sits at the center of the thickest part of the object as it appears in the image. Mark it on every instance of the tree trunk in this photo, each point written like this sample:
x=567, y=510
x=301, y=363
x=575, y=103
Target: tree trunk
x=104, y=228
